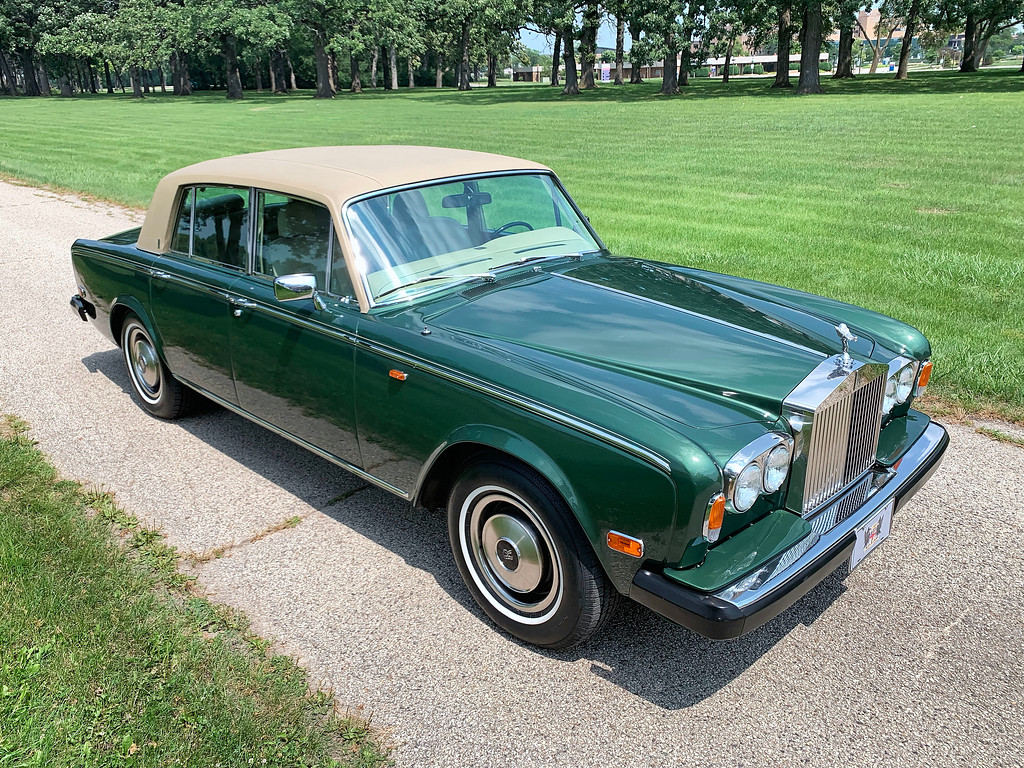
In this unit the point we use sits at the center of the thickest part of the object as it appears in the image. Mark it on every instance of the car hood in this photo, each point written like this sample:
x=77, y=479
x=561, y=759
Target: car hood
x=664, y=338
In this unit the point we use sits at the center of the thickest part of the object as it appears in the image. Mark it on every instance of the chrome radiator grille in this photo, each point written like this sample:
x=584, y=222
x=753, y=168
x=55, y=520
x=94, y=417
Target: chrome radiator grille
x=843, y=439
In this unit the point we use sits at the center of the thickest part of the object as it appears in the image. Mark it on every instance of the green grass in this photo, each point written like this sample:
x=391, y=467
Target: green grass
x=107, y=657
x=903, y=197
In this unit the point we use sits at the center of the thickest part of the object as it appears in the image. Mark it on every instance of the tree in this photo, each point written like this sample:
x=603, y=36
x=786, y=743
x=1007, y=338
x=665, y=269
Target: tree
x=908, y=38
x=588, y=44
x=810, y=49
x=889, y=23
x=847, y=20
x=785, y=39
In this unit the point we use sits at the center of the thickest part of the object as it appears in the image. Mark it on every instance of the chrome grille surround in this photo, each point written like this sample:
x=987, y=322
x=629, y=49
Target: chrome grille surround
x=836, y=416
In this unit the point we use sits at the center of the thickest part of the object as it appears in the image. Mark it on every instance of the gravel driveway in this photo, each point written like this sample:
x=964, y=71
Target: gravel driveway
x=914, y=660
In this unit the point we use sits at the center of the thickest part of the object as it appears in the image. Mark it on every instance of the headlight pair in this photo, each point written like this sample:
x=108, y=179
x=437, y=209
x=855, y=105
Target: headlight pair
x=760, y=468
x=898, y=387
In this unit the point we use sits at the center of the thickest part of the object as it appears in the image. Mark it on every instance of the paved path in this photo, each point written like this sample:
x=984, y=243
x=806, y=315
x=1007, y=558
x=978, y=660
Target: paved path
x=913, y=660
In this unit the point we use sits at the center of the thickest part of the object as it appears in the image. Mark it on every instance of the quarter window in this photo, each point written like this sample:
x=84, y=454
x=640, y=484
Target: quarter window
x=183, y=230
x=221, y=225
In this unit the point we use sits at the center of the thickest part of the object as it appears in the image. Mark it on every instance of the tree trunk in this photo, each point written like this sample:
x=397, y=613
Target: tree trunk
x=229, y=52
x=686, y=55
x=393, y=66
x=332, y=71
x=64, y=83
x=412, y=72
x=728, y=60
x=357, y=78
x=323, y=69
x=588, y=46
x=10, y=84
x=669, y=73
x=133, y=74
x=464, y=57
x=908, y=39
x=259, y=76
x=492, y=70
x=572, y=85
x=634, y=64
x=118, y=80
x=844, y=61
x=45, y=89
x=785, y=38
x=810, y=49
x=373, y=66
x=439, y=74
x=291, y=71
x=620, y=45
x=144, y=74
x=556, y=58
x=106, y=76
x=277, y=62
x=969, y=63
x=270, y=71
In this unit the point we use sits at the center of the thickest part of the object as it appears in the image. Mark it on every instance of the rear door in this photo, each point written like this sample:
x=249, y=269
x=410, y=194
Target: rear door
x=293, y=360
x=190, y=286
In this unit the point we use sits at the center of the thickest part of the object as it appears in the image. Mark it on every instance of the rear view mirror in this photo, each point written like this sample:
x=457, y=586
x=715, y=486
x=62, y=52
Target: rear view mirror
x=294, y=287
x=466, y=200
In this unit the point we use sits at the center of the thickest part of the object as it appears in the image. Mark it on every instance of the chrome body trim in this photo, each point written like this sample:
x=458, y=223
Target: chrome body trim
x=691, y=313
x=350, y=240
x=790, y=565
x=364, y=475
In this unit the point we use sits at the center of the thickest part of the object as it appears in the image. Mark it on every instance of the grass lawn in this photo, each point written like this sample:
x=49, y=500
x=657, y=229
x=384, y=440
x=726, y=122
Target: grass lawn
x=107, y=658
x=904, y=197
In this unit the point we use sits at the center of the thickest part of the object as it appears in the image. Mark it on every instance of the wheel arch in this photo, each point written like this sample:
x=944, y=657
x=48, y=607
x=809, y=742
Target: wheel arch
x=441, y=470
x=121, y=307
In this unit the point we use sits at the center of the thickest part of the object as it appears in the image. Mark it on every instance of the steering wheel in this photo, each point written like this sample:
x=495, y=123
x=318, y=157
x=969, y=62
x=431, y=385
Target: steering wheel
x=501, y=230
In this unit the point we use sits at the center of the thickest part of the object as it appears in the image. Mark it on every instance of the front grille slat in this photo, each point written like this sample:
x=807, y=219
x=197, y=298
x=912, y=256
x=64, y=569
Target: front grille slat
x=843, y=440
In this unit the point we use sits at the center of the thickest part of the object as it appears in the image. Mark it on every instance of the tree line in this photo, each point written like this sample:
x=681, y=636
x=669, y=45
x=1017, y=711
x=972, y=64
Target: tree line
x=178, y=45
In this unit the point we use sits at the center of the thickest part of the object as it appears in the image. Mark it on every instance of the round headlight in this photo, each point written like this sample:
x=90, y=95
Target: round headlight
x=776, y=467
x=889, y=401
x=747, y=487
x=904, y=384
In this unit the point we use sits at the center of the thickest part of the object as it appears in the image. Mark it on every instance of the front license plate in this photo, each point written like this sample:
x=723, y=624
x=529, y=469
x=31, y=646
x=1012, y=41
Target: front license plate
x=871, y=533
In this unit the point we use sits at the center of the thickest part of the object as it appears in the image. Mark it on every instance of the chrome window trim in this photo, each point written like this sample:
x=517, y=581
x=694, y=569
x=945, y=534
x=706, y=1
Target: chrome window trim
x=691, y=313
x=346, y=223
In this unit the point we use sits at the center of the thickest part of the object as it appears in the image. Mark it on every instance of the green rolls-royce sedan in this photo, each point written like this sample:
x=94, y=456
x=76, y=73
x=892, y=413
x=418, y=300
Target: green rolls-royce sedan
x=448, y=325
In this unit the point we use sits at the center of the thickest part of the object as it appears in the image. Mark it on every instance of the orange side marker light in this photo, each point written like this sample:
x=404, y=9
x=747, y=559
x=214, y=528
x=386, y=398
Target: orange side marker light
x=394, y=373
x=923, y=378
x=715, y=518
x=628, y=545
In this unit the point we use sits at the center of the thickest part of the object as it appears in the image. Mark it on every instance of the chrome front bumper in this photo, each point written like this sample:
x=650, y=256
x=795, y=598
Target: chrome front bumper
x=759, y=597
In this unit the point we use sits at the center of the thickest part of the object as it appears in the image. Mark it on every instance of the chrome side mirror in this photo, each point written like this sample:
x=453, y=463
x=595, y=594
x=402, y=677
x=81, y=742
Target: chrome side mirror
x=294, y=287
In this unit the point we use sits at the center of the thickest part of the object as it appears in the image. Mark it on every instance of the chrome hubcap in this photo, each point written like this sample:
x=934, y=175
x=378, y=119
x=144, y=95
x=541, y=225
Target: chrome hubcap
x=512, y=554
x=146, y=365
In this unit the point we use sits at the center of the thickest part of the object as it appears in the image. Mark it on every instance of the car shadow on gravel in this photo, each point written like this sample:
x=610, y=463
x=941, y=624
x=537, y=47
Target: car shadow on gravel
x=639, y=651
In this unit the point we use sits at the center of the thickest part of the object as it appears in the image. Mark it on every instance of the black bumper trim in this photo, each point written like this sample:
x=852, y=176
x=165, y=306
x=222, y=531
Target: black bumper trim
x=720, y=619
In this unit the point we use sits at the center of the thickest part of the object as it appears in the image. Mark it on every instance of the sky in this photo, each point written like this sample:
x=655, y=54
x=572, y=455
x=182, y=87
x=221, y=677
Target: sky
x=605, y=38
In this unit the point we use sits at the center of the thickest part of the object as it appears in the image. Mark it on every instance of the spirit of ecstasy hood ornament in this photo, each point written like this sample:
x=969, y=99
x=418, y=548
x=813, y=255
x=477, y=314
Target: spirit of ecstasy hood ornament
x=846, y=336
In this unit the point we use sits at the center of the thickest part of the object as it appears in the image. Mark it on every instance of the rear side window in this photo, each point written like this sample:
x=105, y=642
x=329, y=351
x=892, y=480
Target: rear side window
x=220, y=225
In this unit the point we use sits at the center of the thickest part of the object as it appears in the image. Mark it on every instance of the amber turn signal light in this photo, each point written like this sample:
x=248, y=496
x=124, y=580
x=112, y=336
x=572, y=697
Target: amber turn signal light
x=628, y=545
x=394, y=373
x=923, y=377
x=714, y=518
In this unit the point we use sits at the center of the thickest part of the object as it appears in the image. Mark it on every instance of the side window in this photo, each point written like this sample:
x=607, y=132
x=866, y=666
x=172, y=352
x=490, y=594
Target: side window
x=341, y=283
x=293, y=237
x=221, y=230
x=183, y=229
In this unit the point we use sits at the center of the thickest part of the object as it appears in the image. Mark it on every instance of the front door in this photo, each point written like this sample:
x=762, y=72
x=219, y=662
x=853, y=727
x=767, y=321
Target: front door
x=293, y=360
x=191, y=283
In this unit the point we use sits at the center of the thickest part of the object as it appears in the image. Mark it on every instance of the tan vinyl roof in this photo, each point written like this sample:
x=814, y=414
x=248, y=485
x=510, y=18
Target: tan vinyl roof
x=330, y=175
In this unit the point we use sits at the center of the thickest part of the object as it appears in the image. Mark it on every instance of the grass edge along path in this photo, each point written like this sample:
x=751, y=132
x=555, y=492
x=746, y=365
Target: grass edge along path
x=110, y=656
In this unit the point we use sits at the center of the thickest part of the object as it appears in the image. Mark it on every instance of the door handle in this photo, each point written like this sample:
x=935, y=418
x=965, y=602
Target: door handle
x=239, y=304
x=160, y=275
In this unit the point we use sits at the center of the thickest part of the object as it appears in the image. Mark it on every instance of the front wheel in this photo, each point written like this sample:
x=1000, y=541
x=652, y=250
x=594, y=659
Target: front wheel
x=159, y=392
x=523, y=557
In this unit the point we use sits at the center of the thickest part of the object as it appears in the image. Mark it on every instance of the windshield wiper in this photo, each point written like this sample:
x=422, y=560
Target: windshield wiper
x=487, y=276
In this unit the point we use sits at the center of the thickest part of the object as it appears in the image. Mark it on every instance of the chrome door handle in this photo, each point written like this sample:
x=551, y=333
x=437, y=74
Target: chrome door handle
x=160, y=275
x=239, y=304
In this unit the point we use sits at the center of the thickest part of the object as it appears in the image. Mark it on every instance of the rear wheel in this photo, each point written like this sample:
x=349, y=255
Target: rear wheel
x=159, y=392
x=523, y=557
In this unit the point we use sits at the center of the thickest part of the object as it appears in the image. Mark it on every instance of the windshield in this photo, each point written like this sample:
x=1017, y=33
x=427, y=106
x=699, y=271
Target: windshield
x=418, y=239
